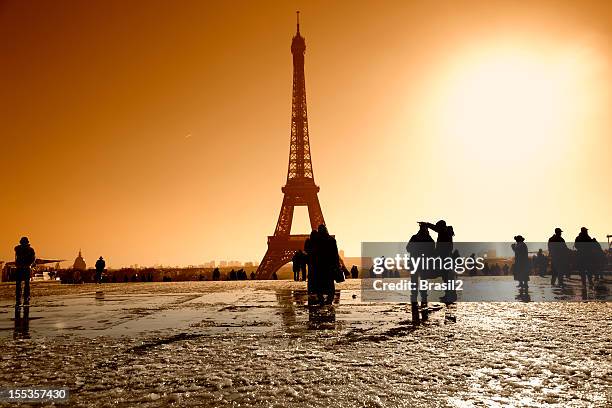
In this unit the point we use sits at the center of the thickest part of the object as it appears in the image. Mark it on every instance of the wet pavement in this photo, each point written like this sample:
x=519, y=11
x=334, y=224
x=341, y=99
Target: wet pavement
x=260, y=344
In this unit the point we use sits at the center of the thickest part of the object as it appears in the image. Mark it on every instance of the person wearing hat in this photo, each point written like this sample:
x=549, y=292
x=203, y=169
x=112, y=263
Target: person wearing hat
x=25, y=257
x=100, y=265
x=559, y=254
x=521, y=262
x=584, y=247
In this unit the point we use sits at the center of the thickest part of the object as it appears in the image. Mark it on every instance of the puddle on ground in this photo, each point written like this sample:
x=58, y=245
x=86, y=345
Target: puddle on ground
x=250, y=311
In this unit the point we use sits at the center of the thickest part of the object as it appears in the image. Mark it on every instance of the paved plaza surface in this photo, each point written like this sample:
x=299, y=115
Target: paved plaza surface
x=258, y=343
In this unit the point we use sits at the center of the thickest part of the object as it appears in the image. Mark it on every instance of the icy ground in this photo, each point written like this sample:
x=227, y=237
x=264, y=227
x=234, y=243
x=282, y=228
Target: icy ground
x=258, y=344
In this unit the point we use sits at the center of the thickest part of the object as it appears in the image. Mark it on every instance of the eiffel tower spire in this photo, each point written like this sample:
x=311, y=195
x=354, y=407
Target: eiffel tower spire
x=300, y=163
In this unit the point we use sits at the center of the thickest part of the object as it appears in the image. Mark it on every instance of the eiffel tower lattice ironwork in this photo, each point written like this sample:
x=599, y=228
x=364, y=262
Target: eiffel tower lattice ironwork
x=300, y=188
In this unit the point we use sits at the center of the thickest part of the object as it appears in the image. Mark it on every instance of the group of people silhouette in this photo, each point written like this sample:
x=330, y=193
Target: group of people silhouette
x=319, y=263
x=423, y=244
x=588, y=259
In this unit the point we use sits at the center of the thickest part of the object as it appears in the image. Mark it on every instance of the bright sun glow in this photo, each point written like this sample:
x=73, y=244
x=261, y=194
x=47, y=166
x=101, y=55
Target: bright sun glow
x=512, y=101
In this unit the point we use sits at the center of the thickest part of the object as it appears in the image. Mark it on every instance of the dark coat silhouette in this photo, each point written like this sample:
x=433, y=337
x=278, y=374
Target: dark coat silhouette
x=296, y=259
x=521, y=261
x=599, y=259
x=354, y=272
x=100, y=265
x=560, y=257
x=25, y=256
x=299, y=264
x=324, y=262
x=419, y=244
x=584, y=249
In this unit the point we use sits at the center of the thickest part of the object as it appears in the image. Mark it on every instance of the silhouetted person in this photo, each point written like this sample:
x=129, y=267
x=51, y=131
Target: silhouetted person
x=326, y=263
x=354, y=272
x=444, y=249
x=216, y=275
x=599, y=260
x=540, y=263
x=297, y=264
x=419, y=244
x=521, y=262
x=274, y=276
x=253, y=275
x=100, y=265
x=309, y=249
x=25, y=258
x=584, y=251
x=559, y=254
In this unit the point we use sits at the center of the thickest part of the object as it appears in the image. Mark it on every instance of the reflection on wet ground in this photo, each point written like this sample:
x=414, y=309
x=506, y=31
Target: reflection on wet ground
x=234, y=310
x=257, y=346
x=504, y=289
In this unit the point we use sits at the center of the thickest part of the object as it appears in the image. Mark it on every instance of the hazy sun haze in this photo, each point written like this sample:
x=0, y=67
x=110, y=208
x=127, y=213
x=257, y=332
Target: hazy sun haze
x=158, y=132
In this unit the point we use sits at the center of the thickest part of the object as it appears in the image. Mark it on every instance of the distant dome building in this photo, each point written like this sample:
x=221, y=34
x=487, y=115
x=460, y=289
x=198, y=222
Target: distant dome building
x=79, y=263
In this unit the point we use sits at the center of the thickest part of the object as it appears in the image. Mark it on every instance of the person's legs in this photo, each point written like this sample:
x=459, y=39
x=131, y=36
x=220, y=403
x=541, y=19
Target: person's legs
x=424, y=298
x=414, y=290
x=414, y=310
x=17, y=287
x=26, y=287
x=589, y=273
x=451, y=294
x=561, y=274
x=582, y=272
x=320, y=297
x=331, y=292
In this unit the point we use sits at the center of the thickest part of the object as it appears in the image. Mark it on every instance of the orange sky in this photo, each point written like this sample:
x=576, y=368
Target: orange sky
x=158, y=132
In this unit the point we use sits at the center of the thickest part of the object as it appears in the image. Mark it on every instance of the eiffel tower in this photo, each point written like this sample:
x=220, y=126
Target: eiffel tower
x=300, y=188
